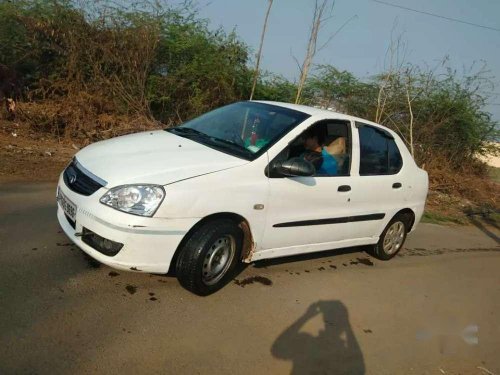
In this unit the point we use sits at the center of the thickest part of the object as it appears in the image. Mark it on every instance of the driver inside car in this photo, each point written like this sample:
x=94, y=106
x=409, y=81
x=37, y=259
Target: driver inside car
x=314, y=139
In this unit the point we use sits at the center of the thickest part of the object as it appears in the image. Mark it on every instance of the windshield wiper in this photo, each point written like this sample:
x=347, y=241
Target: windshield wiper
x=232, y=145
x=186, y=131
x=208, y=140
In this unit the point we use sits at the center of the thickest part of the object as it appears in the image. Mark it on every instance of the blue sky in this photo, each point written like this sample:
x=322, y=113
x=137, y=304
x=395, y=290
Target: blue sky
x=360, y=47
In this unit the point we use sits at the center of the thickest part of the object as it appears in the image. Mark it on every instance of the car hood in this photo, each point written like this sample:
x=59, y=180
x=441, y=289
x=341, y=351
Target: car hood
x=154, y=157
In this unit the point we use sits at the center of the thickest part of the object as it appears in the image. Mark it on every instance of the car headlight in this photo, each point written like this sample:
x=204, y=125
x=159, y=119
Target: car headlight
x=141, y=200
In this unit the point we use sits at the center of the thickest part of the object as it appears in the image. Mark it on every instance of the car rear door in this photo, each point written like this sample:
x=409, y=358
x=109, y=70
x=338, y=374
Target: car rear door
x=379, y=188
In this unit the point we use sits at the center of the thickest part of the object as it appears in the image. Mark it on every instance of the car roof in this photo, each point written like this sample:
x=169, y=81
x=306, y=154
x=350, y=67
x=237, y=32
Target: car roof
x=320, y=112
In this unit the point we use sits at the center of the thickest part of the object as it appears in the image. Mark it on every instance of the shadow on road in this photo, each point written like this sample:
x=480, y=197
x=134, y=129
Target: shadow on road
x=334, y=350
x=310, y=256
x=483, y=228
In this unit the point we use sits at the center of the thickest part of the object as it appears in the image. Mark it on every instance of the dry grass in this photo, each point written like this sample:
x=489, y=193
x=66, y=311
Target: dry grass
x=79, y=119
x=470, y=183
x=454, y=194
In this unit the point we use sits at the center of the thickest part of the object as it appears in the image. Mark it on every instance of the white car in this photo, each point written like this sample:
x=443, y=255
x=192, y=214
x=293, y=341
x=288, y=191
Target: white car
x=248, y=181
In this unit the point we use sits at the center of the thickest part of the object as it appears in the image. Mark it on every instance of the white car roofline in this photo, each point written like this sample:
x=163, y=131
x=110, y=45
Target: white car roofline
x=322, y=113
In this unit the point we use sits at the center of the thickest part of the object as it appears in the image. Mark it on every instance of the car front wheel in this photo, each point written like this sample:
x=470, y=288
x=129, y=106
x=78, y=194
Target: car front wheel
x=210, y=256
x=391, y=239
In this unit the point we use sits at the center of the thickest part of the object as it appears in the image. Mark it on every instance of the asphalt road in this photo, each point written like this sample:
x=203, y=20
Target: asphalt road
x=432, y=310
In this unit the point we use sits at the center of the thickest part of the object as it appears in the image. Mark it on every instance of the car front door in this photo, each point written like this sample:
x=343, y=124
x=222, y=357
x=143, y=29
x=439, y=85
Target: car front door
x=310, y=213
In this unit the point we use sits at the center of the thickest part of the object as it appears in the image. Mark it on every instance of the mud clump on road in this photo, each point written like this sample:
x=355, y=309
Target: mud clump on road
x=152, y=296
x=365, y=261
x=113, y=274
x=131, y=289
x=253, y=279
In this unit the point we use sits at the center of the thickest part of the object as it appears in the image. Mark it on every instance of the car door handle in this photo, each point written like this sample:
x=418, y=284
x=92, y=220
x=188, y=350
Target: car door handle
x=396, y=185
x=344, y=188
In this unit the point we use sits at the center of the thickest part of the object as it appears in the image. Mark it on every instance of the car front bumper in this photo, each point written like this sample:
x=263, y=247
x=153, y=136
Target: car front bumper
x=149, y=244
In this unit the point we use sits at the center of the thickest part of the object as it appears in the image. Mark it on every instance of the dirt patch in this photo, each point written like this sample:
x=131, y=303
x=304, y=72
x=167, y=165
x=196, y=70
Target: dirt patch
x=425, y=252
x=26, y=156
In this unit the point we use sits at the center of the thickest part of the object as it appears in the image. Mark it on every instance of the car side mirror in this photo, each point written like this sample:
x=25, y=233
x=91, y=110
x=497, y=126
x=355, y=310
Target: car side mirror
x=294, y=167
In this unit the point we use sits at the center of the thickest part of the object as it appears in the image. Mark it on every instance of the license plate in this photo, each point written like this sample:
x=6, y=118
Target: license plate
x=68, y=207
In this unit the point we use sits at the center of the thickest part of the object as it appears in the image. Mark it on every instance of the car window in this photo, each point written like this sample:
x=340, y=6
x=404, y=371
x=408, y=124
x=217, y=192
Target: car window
x=326, y=144
x=395, y=159
x=379, y=154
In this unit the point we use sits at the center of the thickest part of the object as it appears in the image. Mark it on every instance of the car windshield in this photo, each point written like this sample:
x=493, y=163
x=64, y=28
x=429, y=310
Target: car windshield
x=244, y=129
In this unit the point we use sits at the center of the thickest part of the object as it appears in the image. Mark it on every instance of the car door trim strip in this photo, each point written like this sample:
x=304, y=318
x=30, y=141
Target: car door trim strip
x=335, y=220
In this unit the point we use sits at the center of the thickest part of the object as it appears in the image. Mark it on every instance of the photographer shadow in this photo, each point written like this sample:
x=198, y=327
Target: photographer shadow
x=334, y=350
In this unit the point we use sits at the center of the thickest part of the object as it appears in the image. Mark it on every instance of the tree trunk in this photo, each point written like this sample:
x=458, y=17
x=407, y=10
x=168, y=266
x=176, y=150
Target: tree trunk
x=311, y=46
x=256, y=73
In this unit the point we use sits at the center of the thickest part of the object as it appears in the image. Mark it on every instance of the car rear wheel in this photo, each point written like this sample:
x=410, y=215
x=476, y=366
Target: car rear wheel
x=392, y=238
x=209, y=257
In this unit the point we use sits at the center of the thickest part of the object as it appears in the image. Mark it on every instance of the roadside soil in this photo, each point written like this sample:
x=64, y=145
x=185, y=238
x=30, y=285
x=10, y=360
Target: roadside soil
x=29, y=156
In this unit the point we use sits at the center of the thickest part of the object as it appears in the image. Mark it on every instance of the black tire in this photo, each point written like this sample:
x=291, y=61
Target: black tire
x=383, y=253
x=192, y=260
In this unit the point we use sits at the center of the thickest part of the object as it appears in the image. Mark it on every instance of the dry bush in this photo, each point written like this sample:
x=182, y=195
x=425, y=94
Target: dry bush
x=86, y=67
x=87, y=75
x=468, y=185
x=80, y=119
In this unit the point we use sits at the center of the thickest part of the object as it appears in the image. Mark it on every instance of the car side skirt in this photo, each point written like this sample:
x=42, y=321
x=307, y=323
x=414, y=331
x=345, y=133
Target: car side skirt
x=311, y=248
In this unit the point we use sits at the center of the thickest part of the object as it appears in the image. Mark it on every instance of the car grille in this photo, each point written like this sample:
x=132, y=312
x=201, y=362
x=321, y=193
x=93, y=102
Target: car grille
x=70, y=221
x=80, y=181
